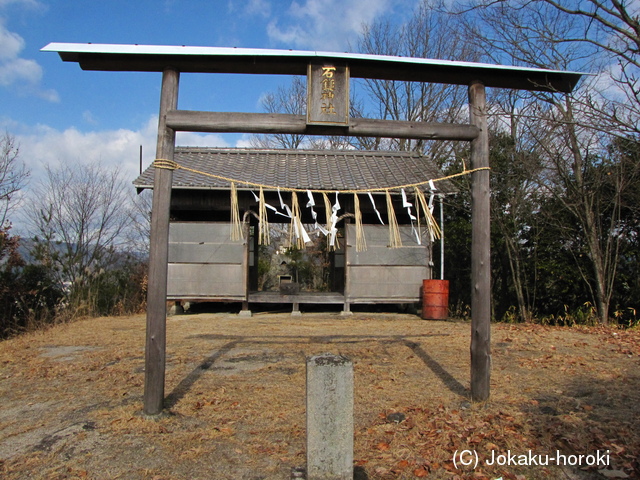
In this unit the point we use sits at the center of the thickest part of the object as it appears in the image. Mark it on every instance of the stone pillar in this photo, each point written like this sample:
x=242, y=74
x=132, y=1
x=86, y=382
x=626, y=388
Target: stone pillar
x=329, y=417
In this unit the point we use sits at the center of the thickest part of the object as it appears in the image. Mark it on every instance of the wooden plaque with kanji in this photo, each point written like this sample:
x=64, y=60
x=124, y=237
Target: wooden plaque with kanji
x=327, y=94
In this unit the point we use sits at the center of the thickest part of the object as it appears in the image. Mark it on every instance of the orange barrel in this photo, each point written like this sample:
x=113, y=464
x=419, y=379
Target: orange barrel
x=435, y=299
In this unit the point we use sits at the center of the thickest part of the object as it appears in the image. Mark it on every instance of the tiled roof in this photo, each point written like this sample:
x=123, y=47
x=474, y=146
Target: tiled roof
x=305, y=169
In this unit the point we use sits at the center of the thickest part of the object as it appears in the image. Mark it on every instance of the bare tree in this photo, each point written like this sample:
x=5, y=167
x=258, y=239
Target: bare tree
x=606, y=32
x=140, y=230
x=78, y=216
x=13, y=175
x=573, y=178
x=428, y=34
x=514, y=188
x=613, y=28
x=571, y=133
x=291, y=100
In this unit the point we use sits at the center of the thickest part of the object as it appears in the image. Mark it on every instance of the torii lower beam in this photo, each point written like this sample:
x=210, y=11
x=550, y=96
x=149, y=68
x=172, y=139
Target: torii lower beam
x=269, y=123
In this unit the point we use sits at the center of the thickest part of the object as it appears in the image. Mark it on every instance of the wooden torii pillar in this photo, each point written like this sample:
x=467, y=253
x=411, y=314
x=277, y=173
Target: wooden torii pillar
x=171, y=60
x=156, y=342
x=480, y=248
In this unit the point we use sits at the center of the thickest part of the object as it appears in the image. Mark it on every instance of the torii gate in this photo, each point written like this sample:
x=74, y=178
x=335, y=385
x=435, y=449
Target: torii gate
x=323, y=118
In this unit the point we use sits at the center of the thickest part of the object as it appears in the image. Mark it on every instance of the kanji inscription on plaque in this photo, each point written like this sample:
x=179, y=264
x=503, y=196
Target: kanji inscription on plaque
x=327, y=94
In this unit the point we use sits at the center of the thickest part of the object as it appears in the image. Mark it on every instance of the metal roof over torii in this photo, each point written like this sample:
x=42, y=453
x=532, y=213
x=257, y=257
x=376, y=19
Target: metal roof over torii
x=155, y=58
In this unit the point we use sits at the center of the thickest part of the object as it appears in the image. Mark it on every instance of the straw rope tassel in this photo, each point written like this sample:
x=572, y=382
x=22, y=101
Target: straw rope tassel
x=263, y=221
x=394, y=231
x=432, y=224
x=361, y=242
x=295, y=232
x=236, y=228
x=327, y=212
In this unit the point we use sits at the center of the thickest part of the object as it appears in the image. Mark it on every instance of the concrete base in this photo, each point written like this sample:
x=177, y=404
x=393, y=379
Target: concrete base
x=346, y=313
x=245, y=313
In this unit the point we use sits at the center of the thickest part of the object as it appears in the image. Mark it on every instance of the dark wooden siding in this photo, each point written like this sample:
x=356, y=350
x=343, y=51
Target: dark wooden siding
x=204, y=262
x=382, y=274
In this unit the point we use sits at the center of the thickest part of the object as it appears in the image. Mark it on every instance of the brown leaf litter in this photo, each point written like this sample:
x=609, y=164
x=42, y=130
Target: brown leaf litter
x=235, y=396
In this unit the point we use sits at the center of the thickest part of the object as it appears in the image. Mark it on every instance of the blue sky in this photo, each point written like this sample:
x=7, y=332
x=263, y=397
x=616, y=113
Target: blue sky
x=59, y=113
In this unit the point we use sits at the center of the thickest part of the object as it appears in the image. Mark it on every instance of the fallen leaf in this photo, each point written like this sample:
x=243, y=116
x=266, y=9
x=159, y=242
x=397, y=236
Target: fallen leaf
x=420, y=472
x=224, y=430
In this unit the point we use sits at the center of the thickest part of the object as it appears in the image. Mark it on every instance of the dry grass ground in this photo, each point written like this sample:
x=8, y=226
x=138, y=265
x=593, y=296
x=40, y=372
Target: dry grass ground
x=71, y=398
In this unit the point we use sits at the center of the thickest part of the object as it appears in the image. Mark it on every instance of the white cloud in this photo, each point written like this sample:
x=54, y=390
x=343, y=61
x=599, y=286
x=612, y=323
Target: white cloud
x=49, y=95
x=46, y=146
x=23, y=73
x=258, y=7
x=11, y=44
x=604, y=82
x=245, y=142
x=192, y=139
x=89, y=117
x=18, y=69
x=23, y=3
x=43, y=146
x=325, y=24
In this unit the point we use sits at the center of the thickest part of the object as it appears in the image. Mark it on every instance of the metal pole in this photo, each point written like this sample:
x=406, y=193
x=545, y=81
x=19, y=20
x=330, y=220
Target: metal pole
x=441, y=238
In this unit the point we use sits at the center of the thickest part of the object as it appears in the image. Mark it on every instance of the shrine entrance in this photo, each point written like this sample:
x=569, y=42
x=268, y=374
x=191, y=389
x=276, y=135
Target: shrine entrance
x=328, y=77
